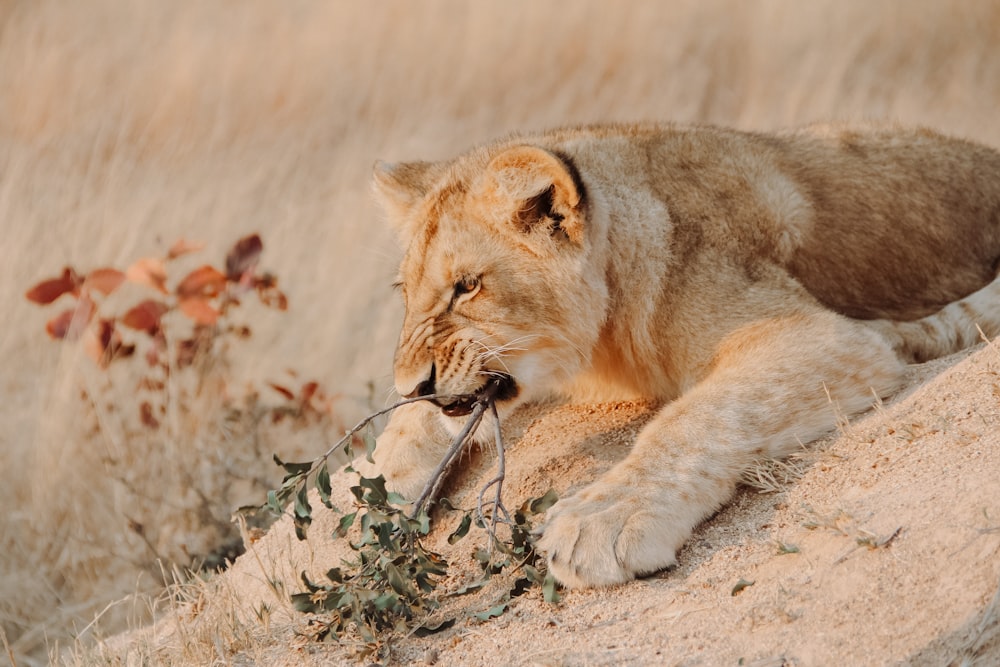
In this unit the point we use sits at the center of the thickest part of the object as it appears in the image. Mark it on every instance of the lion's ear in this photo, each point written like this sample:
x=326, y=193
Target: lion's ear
x=537, y=191
x=400, y=187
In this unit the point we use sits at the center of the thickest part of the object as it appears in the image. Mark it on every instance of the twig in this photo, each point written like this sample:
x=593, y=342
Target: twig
x=434, y=483
x=370, y=418
x=497, y=481
x=10, y=652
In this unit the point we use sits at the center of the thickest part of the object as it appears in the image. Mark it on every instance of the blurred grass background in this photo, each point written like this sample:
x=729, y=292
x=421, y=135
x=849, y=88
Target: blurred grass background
x=127, y=125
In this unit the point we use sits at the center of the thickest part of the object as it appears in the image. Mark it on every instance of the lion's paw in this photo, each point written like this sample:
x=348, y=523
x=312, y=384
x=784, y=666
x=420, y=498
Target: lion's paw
x=608, y=534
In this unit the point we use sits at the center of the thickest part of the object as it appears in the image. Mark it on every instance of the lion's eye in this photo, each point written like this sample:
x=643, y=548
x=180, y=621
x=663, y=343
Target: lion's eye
x=466, y=285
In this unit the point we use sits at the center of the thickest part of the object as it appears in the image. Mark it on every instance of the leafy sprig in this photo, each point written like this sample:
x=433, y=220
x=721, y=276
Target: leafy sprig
x=390, y=582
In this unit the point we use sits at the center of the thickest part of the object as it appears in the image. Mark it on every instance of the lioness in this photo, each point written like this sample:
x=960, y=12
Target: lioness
x=757, y=284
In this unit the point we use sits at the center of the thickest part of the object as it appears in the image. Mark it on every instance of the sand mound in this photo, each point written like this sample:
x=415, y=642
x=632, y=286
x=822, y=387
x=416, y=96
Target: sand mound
x=885, y=550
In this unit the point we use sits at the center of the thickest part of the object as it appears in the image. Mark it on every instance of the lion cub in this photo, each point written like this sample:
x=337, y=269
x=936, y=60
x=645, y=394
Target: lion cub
x=746, y=280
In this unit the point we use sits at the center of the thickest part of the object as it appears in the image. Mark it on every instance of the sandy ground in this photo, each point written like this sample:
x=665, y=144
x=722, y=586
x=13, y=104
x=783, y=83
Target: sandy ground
x=894, y=528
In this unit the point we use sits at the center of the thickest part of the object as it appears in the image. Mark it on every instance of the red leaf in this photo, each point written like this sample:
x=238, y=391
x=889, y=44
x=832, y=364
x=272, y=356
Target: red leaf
x=58, y=327
x=149, y=271
x=183, y=247
x=156, y=355
x=266, y=281
x=70, y=323
x=146, y=414
x=308, y=391
x=205, y=281
x=199, y=310
x=284, y=391
x=273, y=298
x=104, y=344
x=150, y=384
x=48, y=291
x=104, y=281
x=243, y=257
x=145, y=316
x=187, y=351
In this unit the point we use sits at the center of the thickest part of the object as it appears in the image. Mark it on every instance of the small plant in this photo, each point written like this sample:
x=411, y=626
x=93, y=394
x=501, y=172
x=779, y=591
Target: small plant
x=169, y=332
x=392, y=579
x=205, y=296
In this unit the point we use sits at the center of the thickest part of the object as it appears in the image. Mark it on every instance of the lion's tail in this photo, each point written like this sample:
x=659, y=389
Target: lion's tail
x=958, y=325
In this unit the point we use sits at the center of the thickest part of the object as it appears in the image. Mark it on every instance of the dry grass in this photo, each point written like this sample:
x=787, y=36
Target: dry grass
x=126, y=125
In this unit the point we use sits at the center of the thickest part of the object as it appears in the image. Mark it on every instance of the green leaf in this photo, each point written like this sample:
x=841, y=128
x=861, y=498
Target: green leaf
x=398, y=582
x=429, y=629
x=394, y=498
x=251, y=510
x=335, y=575
x=335, y=600
x=293, y=469
x=550, y=589
x=302, y=507
x=376, y=485
x=470, y=588
x=462, y=530
x=424, y=582
x=425, y=523
x=539, y=505
x=385, y=537
x=346, y=522
x=386, y=600
x=740, y=585
x=369, y=440
x=533, y=575
x=432, y=563
x=784, y=548
x=445, y=503
x=323, y=485
x=310, y=586
x=366, y=633
x=303, y=602
x=301, y=527
x=520, y=587
x=303, y=513
x=272, y=502
x=406, y=524
x=371, y=520
x=492, y=612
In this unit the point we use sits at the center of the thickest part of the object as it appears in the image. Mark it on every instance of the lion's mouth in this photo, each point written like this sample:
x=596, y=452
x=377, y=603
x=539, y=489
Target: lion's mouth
x=499, y=388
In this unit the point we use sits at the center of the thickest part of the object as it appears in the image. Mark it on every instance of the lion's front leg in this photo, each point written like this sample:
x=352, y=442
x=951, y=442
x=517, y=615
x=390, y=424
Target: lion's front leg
x=408, y=450
x=774, y=384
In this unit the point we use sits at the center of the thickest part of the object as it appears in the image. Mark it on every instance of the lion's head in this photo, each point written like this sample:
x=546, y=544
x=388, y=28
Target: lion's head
x=497, y=276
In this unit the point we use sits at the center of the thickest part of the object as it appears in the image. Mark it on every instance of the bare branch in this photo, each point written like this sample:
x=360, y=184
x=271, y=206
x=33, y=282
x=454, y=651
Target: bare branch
x=437, y=477
x=497, y=481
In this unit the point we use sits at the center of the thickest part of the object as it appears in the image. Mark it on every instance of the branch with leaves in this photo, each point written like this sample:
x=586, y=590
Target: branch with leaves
x=389, y=584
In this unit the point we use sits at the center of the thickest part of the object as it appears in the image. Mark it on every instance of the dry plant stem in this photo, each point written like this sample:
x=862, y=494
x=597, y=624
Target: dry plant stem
x=10, y=652
x=497, y=481
x=367, y=420
x=434, y=483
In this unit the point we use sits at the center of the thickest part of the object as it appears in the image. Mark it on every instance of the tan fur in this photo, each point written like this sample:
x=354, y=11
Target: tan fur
x=746, y=280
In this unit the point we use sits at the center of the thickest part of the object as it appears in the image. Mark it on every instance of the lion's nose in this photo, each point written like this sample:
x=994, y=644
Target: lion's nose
x=426, y=387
